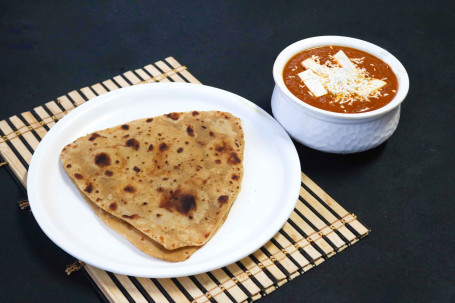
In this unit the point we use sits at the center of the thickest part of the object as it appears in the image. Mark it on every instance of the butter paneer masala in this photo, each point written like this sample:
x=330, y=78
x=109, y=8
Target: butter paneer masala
x=340, y=79
x=165, y=183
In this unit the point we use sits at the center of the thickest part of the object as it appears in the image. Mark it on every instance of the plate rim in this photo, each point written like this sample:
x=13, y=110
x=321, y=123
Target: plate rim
x=187, y=270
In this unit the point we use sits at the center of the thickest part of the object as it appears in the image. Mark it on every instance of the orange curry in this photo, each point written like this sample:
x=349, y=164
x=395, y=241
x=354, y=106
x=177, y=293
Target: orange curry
x=350, y=81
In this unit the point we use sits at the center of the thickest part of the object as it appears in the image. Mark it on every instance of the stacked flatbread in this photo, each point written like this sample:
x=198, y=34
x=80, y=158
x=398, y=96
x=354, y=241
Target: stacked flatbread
x=165, y=183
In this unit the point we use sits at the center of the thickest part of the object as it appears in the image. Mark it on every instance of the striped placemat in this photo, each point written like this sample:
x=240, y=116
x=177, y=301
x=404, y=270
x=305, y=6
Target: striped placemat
x=318, y=228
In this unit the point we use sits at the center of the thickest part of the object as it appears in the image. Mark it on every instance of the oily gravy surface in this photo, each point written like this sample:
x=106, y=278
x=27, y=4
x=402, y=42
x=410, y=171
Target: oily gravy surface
x=322, y=77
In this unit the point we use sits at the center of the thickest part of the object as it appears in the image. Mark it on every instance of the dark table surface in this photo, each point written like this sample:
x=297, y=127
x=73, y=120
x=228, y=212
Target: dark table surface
x=403, y=190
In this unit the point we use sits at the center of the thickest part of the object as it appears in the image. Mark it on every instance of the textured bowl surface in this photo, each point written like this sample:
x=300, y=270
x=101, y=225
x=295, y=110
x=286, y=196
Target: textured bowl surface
x=334, y=136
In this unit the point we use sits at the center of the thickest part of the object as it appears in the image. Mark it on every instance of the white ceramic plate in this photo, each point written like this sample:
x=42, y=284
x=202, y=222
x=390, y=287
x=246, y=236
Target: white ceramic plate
x=269, y=192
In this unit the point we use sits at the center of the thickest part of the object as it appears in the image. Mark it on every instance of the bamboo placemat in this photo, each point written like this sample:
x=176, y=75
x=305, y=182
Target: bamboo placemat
x=318, y=228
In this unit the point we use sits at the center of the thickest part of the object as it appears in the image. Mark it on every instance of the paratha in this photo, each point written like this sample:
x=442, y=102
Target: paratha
x=173, y=177
x=140, y=240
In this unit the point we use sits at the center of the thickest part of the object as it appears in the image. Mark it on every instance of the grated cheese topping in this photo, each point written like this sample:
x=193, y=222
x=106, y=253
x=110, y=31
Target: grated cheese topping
x=347, y=83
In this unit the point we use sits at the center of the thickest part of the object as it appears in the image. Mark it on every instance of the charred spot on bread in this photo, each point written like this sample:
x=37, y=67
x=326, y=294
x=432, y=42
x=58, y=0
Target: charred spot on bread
x=234, y=159
x=94, y=136
x=179, y=201
x=89, y=188
x=132, y=143
x=102, y=160
x=223, y=199
x=163, y=146
x=173, y=116
x=129, y=189
x=190, y=131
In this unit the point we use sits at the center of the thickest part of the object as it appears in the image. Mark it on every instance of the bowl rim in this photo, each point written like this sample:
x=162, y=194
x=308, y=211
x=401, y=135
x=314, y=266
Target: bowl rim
x=399, y=70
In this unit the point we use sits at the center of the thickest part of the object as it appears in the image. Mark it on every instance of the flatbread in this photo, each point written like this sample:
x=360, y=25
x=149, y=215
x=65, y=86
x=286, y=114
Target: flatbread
x=140, y=240
x=173, y=177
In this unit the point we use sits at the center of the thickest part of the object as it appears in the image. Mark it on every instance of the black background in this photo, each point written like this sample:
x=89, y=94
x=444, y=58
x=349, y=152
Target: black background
x=403, y=190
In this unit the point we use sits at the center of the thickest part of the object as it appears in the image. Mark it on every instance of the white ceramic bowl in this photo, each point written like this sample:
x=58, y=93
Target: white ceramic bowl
x=329, y=131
